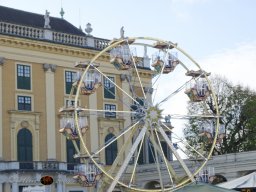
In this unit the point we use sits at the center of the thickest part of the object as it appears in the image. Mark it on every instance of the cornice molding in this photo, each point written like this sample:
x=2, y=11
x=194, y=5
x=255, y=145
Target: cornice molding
x=17, y=112
x=50, y=47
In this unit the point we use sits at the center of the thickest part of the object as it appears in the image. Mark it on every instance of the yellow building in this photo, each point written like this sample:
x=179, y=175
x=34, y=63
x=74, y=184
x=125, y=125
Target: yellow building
x=37, y=57
x=38, y=54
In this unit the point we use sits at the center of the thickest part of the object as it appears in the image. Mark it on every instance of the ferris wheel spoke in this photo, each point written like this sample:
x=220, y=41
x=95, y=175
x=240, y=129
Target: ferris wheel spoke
x=116, y=95
x=122, y=150
x=176, y=154
x=136, y=162
x=158, y=77
x=127, y=159
x=115, y=84
x=124, y=102
x=110, y=111
x=184, y=142
x=118, y=158
x=170, y=168
x=114, y=139
x=203, y=116
x=155, y=93
x=174, y=92
x=184, y=149
x=164, y=158
x=193, y=149
x=183, y=65
x=131, y=85
x=157, y=161
x=179, y=89
x=76, y=147
x=162, y=68
x=137, y=72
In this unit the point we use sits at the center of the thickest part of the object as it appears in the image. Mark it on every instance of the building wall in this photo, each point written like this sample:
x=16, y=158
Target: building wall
x=48, y=62
x=36, y=54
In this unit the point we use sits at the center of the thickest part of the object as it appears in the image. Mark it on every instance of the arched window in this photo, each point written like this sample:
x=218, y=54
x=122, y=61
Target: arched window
x=24, y=145
x=111, y=150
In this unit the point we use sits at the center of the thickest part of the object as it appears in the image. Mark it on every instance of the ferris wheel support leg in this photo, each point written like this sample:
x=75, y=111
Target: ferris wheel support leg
x=115, y=163
x=127, y=159
x=170, y=144
x=157, y=164
x=159, y=149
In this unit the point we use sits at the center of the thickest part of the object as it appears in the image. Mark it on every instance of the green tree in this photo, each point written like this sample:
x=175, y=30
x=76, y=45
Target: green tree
x=237, y=106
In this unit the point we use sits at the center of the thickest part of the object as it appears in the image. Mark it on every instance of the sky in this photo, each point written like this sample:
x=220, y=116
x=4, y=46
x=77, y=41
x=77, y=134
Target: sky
x=219, y=34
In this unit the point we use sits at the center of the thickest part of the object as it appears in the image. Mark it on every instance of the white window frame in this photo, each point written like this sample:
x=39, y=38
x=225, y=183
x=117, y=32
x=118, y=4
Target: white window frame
x=24, y=95
x=103, y=87
x=64, y=77
x=106, y=112
x=16, y=77
x=72, y=100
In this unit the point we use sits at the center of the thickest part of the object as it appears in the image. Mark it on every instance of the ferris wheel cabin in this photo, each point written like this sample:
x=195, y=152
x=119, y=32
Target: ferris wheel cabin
x=121, y=56
x=92, y=79
x=209, y=132
x=88, y=174
x=68, y=125
x=164, y=61
x=198, y=91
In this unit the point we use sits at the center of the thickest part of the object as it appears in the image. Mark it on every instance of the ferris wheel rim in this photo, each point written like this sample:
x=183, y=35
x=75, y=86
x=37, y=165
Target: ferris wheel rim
x=80, y=135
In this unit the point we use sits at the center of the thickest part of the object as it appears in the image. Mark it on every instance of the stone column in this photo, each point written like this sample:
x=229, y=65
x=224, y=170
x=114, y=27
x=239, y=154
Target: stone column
x=15, y=187
x=7, y=187
x=1, y=109
x=93, y=123
x=126, y=106
x=50, y=110
x=3, y=180
x=59, y=187
x=64, y=187
x=90, y=41
x=61, y=183
x=13, y=179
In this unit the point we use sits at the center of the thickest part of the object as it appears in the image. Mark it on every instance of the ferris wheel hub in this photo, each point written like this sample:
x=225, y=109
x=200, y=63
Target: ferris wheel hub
x=153, y=116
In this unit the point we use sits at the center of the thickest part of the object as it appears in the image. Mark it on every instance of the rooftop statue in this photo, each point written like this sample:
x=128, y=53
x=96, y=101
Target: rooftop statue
x=122, y=32
x=47, y=20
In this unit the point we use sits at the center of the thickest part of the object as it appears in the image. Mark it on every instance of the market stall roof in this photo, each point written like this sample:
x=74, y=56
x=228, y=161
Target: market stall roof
x=202, y=187
x=247, y=181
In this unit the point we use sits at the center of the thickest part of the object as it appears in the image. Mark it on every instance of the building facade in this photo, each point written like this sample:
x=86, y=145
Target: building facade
x=37, y=58
x=37, y=72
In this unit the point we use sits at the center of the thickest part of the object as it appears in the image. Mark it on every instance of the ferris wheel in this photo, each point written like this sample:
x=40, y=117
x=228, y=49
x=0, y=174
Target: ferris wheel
x=147, y=142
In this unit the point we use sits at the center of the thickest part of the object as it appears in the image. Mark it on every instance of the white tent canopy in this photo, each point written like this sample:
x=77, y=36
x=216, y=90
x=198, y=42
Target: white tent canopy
x=247, y=181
